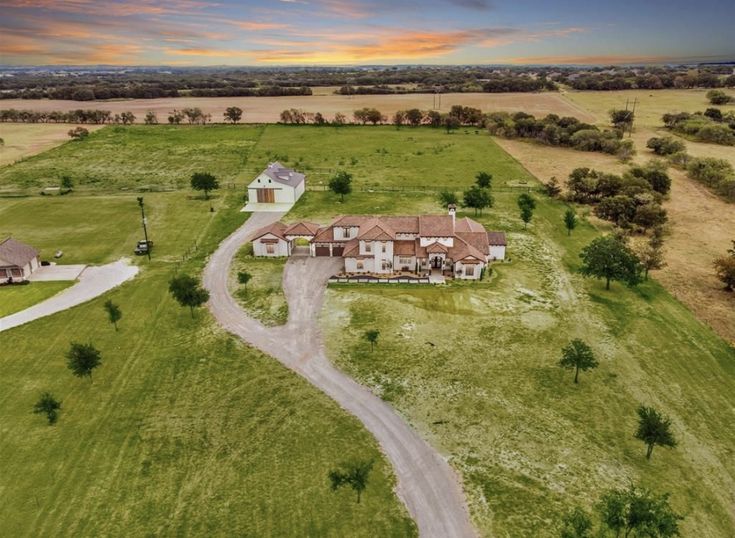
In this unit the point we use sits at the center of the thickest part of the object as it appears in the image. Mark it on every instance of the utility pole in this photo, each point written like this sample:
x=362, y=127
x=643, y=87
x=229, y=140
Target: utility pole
x=632, y=118
x=145, y=229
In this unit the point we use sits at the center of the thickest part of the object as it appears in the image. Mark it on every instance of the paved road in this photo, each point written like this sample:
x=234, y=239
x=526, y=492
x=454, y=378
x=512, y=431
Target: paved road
x=93, y=282
x=426, y=483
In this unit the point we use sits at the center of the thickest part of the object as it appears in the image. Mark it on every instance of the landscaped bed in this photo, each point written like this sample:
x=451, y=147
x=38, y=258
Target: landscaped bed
x=262, y=296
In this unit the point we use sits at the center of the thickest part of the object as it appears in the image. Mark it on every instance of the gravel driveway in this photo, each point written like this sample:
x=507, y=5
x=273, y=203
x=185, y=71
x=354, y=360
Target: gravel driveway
x=426, y=483
x=93, y=281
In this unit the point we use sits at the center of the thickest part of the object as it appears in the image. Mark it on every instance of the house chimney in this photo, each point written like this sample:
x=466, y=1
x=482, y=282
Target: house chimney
x=452, y=213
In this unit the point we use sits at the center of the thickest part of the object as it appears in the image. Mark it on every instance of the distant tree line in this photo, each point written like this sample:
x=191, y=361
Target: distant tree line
x=709, y=126
x=560, y=131
x=494, y=84
x=657, y=78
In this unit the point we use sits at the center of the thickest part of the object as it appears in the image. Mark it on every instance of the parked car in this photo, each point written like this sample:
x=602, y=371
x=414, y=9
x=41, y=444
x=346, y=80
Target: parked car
x=143, y=247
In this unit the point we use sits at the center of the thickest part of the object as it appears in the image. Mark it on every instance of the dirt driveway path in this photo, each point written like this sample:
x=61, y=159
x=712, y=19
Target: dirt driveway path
x=93, y=282
x=426, y=483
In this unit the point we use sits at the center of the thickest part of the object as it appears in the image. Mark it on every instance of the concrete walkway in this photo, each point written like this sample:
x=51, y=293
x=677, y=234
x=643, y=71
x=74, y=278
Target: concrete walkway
x=48, y=273
x=426, y=483
x=93, y=282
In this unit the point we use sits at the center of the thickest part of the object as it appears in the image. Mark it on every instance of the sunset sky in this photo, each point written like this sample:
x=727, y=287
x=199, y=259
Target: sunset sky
x=307, y=32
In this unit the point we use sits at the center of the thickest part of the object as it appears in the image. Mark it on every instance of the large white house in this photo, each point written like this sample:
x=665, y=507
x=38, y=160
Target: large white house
x=277, y=185
x=444, y=244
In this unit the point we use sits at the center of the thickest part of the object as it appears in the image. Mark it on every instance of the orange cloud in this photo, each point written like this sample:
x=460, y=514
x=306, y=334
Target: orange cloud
x=196, y=51
x=255, y=26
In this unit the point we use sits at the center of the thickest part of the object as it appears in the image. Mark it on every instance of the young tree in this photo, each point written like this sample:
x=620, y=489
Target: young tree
x=718, y=97
x=372, y=337
x=526, y=204
x=622, y=119
x=67, y=184
x=114, y=314
x=654, y=429
x=78, y=133
x=150, y=118
x=341, y=184
x=570, y=220
x=484, y=180
x=638, y=512
x=414, y=116
x=354, y=474
x=82, y=359
x=49, y=406
x=233, y=114
x=243, y=277
x=552, y=188
x=477, y=198
x=204, y=181
x=450, y=122
x=725, y=269
x=576, y=524
x=577, y=355
x=447, y=198
x=127, y=118
x=399, y=118
x=610, y=258
x=185, y=289
x=339, y=119
x=652, y=255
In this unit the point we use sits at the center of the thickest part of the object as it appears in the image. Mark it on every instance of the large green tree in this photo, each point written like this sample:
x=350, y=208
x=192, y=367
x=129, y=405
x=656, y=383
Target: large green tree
x=608, y=257
x=577, y=355
x=82, y=359
x=638, y=512
x=187, y=292
x=526, y=204
x=233, y=114
x=341, y=183
x=204, y=181
x=477, y=198
x=654, y=429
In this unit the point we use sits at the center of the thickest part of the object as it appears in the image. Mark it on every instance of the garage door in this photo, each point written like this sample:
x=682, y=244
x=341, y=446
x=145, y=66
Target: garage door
x=322, y=251
x=337, y=251
x=266, y=196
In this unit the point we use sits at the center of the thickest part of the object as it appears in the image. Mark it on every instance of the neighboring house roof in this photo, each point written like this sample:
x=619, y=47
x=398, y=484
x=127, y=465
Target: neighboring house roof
x=277, y=229
x=302, y=228
x=496, y=239
x=15, y=253
x=436, y=226
x=285, y=176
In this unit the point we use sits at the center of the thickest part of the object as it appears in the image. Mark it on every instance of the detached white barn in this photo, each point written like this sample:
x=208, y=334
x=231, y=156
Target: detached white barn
x=277, y=185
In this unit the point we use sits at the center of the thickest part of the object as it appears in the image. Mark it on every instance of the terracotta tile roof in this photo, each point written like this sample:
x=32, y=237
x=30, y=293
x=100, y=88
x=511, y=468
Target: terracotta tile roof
x=351, y=220
x=496, y=239
x=352, y=249
x=406, y=225
x=436, y=226
x=436, y=247
x=302, y=228
x=324, y=235
x=376, y=230
x=15, y=253
x=477, y=240
x=404, y=248
x=277, y=229
x=462, y=251
x=466, y=224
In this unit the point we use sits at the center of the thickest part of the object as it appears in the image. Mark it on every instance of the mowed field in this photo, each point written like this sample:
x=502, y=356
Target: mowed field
x=268, y=109
x=700, y=224
x=25, y=139
x=183, y=430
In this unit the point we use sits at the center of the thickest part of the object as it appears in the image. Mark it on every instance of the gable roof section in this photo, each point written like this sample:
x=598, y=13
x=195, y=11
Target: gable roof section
x=285, y=176
x=302, y=228
x=436, y=226
x=496, y=239
x=15, y=253
x=463, y=250
x=466, y=225
x=277, y=229
x=436, y=247
x=375, y=230
x=402, y=225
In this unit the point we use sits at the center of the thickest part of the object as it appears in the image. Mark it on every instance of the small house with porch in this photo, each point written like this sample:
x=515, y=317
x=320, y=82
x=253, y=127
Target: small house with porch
x=17, y=260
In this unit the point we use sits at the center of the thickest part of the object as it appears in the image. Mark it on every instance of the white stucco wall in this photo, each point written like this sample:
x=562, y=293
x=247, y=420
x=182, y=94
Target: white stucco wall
x=497, y=252
x=398, y=265
x=351, y=265
x=460, y=267
x=261, y=249
x=348, y=232
x=446, y=241
x=283, y=193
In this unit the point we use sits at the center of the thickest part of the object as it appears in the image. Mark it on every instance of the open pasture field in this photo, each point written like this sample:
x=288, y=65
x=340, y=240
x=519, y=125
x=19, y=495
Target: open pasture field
x=474, y=367
x=268, y=109
x=700, y=224
x=181, y=419
x=23, y=140
x=183, y=429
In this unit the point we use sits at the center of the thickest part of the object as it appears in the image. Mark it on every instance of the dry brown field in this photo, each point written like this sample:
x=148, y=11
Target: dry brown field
x=22, y=140
x=268, y=109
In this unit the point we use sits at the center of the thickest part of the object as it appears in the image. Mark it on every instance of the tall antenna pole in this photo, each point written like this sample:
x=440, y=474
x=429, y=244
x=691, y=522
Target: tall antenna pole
x=632, y=118
x=145, y=229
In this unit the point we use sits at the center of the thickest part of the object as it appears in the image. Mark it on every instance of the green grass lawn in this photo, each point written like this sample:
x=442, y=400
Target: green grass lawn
x=474, y=368
x=140, y=156
x=17, y=298
x=184, y=430
x=262, y=297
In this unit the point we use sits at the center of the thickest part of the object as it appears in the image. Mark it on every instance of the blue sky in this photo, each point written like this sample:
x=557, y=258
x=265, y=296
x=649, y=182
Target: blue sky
x=309, y=32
